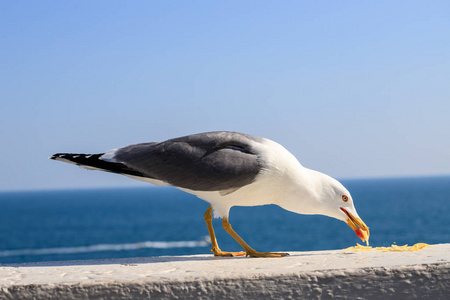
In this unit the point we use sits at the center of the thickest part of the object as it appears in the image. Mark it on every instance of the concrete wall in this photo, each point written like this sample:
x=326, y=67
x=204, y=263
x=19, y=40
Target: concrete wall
x=324, y=274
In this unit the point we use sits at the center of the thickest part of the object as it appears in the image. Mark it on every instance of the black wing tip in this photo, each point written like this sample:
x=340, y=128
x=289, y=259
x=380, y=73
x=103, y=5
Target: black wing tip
x=58, y=155
x=93, y=160
x=74, y=156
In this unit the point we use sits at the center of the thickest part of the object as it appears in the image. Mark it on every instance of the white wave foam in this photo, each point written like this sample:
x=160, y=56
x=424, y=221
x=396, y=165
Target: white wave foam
x=108, y=247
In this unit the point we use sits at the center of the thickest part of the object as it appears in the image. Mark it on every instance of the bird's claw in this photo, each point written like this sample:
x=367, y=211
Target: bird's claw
x=228, y=254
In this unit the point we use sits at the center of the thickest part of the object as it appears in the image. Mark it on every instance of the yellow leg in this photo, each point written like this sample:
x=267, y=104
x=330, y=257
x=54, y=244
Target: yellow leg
x=215, y=247
x=248, y=250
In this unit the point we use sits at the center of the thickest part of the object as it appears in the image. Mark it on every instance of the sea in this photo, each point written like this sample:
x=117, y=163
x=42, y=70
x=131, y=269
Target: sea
x=149, y=221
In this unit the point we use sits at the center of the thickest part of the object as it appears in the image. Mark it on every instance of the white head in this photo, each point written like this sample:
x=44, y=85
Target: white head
x=324, y=195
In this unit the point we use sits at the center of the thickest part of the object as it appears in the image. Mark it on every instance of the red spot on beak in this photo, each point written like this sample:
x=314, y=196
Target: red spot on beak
x=353, y=223
x=359, y=234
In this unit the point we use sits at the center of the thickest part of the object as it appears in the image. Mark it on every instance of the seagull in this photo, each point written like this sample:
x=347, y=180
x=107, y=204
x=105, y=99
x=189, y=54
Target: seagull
x=229, y=169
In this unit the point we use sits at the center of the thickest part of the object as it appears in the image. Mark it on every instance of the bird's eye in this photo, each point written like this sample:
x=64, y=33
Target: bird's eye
x=344, y=198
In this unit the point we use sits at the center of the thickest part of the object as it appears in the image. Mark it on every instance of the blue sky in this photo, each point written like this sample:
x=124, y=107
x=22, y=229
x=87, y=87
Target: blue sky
x=353, y=89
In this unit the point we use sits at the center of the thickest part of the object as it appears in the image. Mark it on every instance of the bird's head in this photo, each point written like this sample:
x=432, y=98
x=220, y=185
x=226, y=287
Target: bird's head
x=321, y=194
x=339, y=204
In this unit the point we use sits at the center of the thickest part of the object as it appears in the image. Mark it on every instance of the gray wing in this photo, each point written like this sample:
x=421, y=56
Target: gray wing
x=214, y=161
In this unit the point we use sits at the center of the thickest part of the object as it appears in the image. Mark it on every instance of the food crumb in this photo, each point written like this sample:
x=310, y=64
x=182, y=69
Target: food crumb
x=361, y=248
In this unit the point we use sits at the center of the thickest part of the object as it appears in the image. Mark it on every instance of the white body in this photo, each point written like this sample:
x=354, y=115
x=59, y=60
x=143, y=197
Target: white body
x=283, y=182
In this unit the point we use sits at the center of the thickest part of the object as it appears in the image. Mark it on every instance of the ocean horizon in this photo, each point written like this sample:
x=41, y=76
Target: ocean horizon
x=51, y=225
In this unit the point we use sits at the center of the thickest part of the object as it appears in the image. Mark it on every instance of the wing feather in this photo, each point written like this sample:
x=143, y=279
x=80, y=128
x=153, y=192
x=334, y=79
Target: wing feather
x=216, y=161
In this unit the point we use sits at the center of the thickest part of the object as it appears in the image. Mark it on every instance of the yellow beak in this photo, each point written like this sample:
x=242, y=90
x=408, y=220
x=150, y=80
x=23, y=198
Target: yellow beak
x=360, y=228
